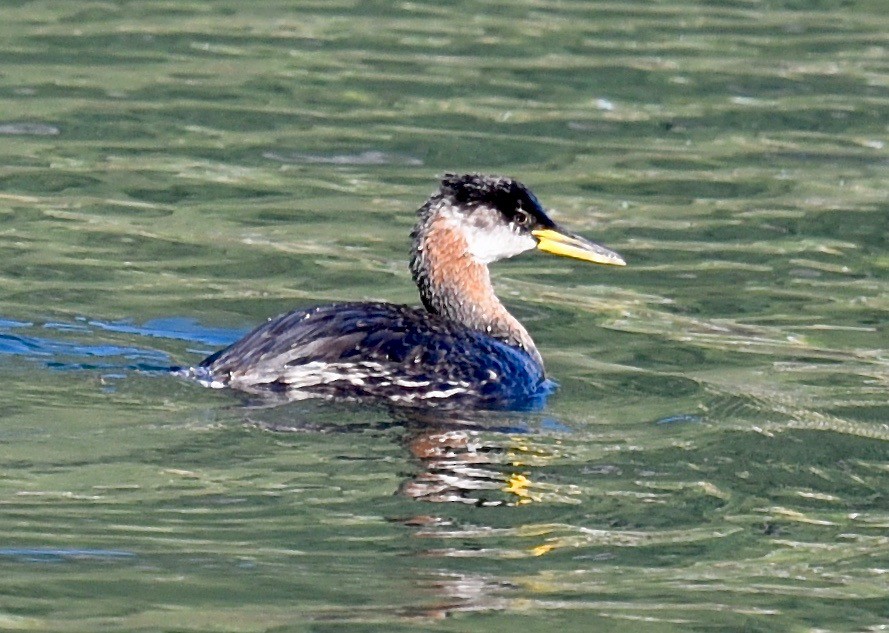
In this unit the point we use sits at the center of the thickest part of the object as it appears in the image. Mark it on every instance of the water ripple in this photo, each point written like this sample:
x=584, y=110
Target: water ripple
x=28, y=129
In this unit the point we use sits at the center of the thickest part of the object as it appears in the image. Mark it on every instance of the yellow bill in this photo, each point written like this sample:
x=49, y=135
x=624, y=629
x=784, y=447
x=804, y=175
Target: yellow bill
x=558, y=243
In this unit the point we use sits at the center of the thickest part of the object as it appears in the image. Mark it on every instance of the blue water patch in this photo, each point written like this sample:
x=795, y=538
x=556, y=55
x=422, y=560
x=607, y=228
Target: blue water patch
x=178, y=328
x=64, y=354
x=9, y=323
x=78, y=344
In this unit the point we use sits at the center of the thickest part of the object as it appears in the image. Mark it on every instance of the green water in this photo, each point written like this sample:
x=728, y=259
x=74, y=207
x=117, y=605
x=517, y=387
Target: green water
x=717, y=459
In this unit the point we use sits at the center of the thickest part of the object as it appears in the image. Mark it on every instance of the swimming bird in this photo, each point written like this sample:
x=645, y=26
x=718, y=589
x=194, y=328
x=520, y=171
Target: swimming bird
x=462, y=347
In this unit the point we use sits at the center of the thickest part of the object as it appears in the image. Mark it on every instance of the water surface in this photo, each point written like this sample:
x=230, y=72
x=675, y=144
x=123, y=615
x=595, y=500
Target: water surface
x=173, y=173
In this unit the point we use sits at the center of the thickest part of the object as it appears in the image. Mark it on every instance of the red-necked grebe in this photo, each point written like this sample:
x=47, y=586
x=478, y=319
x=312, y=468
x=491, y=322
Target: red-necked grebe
x=461, y=347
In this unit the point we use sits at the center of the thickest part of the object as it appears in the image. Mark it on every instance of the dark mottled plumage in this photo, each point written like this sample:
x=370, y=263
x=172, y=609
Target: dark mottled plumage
x=464, y=348
x=379, y=350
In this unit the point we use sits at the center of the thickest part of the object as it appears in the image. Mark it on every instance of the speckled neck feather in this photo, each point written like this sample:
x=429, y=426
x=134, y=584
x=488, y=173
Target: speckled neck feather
x=453, y=284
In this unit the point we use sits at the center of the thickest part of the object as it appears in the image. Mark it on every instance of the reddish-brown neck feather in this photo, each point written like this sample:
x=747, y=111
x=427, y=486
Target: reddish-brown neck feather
x=453, y=284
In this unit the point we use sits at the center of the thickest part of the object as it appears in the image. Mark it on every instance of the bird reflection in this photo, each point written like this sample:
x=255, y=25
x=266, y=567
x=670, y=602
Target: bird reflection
x=463, y=592
x=476, y=458
x=480, y=458
x=456, y=468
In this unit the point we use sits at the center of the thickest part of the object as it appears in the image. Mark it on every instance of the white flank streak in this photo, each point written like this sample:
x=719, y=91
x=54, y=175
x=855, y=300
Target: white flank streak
x=444, y=394
x=321, y=373
x=411, y=384
x=304, y=377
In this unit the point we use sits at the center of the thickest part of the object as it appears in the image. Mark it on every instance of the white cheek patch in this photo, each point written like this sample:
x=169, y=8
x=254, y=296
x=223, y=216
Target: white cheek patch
x=487, y=237
x=500, y=241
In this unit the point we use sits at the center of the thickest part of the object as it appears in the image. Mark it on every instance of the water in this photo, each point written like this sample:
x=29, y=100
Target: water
x=172, y=173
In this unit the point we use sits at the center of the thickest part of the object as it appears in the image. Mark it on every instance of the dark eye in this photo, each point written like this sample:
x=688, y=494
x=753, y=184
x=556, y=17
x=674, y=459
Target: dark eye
x=522, y=219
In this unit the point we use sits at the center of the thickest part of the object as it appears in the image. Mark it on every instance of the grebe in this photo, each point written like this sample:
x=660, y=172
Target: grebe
x=463, y=347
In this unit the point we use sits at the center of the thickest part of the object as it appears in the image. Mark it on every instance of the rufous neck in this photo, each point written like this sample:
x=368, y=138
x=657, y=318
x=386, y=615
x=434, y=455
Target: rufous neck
x=453, y=284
